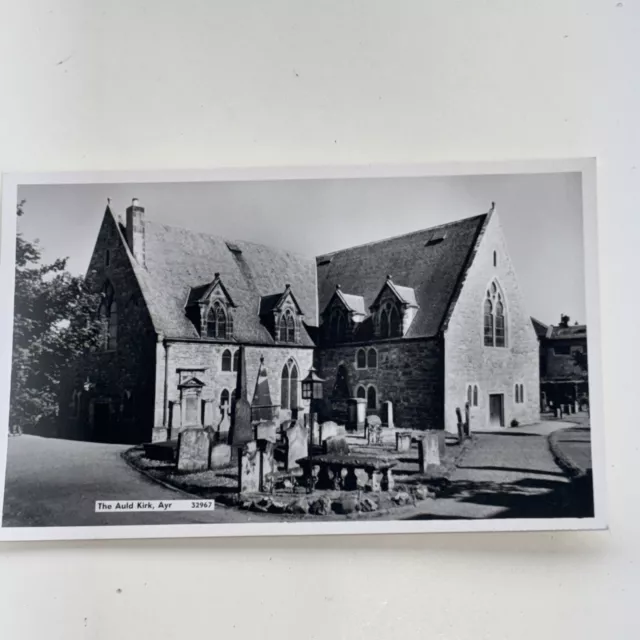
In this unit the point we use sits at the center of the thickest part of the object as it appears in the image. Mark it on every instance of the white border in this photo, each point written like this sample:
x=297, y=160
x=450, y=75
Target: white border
x=585, y=166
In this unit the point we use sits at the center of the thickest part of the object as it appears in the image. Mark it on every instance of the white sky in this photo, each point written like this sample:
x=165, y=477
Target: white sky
x=541, y=216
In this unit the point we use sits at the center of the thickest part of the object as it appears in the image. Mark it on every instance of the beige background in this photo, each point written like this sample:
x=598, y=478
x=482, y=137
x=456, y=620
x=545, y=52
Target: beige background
x=130, y=85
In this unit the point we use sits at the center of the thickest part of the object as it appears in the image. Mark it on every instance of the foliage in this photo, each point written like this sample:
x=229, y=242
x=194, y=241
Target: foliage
x=581, y=361
x=54, y=324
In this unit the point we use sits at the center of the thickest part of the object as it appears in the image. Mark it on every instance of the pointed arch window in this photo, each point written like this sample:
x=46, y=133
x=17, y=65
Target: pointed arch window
x=226, y=360
x=390, y=321
x=361, y=392
x=337, y=326
x=372, y=398
x=289, y=386
x=517, y=394
x=287, y=327
x=224, y=397
x=236, y=360
x=361, y=359
x=395, y=329
x=475, y=395
x=384, y=324
x=470, y=395
x=372, y=359
x=217, y=322
x=495, y=322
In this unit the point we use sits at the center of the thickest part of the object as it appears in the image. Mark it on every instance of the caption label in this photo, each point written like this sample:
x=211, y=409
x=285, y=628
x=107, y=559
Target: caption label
x=120, y=506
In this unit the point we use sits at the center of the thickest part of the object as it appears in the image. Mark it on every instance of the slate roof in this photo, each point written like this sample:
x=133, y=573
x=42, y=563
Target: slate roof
x=181, y=263
x=434, y=270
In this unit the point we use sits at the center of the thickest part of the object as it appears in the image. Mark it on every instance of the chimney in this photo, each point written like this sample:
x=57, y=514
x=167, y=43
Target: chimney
x=135, y=230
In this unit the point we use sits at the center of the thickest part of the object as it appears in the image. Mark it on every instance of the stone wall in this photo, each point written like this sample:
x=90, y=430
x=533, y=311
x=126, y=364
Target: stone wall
x=121, y=379
x=204, y=360
x=496, y=370
x=409, y=374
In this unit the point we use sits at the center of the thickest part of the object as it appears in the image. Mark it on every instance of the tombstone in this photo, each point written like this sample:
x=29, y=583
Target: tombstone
x=297, y=445
x=159, y=434
x=220, y=456
x=242, y=431
x=386, y=414
x=249, y=468
x=373, y=421
x=267, y=430
x=374, y=435
x=428, y=451
x=336, y=445
x=328, y=430
x=315, y=430
x=224, y=421
x=267, y=465
x=356, y=413
x=209, y=417
x=284, y=415
x=193, y=450
x=403, y=441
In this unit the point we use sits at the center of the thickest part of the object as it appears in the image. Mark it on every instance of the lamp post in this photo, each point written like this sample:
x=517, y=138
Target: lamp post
x=312, y=389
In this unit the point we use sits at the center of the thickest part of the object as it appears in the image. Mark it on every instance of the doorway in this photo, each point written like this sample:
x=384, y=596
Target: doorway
x=101, y=420
x=496, y=410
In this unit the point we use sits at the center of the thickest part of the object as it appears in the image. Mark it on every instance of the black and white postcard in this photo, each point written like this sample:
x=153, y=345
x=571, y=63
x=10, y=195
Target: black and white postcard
x=302, y=351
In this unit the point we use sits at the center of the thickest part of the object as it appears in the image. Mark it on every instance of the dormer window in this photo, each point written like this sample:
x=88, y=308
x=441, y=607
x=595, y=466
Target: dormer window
x=390, y=324
x=281, y=314
x=210, y=308
x=393, y=310
x=287, y=327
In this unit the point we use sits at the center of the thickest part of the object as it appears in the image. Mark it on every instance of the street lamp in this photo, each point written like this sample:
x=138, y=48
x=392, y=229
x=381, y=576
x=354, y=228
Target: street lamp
x=312, y=390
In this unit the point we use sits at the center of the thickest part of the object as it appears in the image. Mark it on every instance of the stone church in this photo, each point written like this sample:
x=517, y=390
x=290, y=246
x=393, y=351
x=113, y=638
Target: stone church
x=432, y=321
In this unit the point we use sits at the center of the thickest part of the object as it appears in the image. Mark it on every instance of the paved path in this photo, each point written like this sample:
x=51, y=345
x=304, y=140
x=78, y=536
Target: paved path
x=507, y=473
x=52, y=482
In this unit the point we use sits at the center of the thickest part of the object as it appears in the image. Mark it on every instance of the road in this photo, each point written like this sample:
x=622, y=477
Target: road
x=53, y=482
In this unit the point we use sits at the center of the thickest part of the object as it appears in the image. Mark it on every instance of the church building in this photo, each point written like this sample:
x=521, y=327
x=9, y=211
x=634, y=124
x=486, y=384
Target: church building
x=432, y=321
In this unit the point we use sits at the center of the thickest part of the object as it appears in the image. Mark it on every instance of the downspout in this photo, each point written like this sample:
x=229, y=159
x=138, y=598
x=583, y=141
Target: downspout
x=165, y=407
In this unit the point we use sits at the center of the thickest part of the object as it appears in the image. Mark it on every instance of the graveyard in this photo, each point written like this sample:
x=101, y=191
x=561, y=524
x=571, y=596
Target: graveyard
x=306, y=469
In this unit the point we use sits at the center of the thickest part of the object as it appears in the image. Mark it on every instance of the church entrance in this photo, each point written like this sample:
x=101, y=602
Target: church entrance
x=496, y=410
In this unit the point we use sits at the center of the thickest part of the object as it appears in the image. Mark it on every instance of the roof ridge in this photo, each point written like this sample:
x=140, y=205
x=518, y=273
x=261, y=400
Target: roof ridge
x=403, y=235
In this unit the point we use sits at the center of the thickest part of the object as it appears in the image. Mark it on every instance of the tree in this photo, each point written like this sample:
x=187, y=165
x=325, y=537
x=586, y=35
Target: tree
x=55, y=323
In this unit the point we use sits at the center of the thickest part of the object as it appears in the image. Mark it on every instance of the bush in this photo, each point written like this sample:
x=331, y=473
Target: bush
x=514, y=423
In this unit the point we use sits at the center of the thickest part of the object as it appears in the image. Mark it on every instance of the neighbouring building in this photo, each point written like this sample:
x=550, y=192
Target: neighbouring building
x=564, y=377
x=193, y=323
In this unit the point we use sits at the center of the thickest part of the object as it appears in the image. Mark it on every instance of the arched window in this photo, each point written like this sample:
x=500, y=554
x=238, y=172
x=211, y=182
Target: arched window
x=372, y=358
x=236, y=359
x=337, y=326
x=495, y=323
x=361, y=392
x=226, y=360
x=217, y=322
x=224, y=397
x=361, y=359
x=521, y=393
x=107, y=258
x=517, y=394
x=470, y=395
x=287, y=327
x=475, y=395
x=495, y=258
x=395, y=327
x=384, y=324
x=289, y=382
x=372, y=399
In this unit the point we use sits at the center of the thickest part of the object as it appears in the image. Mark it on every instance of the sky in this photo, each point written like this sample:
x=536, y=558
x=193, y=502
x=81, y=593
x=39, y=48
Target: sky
x=541, y=216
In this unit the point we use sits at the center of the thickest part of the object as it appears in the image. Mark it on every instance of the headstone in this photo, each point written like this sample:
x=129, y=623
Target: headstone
x=374, y=435
x=336, y=445
x=159, y=434
x=176, y=417
x=267, y=465
x=315, y=430
x=249, y=472
x=267, y=430
x=242, y=431
x=403, y=442
x=297, y=445
x=373, y=421
x=428, y=451
x=193, y=450
x=328, y=430
x=284, y=415
x=386, y=414
x=220, y=456
x=224, y=420
x=356, y=413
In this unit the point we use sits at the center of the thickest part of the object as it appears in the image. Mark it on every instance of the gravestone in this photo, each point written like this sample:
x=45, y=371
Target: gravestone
x=267, y=465
x=242, y=431
x=220, y=456
x=336, y=445
x=374, y=435
x=176, y=418
x=284, y=415
x=249, y=471
x=297, y=445
x=209, y=417
x=356, y=413
x=224, y=420
x=328, y=430
x=193, y=450
x=387, y=414
x=373, y=421
x=403, y=441
x=428, y=451
x=267, y=430
x=315, y=430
